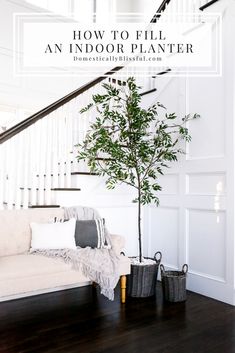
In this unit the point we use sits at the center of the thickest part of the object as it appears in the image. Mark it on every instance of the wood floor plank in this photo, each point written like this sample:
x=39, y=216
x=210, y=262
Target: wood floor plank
x=82, y=321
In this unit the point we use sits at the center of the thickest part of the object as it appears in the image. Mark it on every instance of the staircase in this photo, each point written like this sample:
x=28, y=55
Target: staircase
x=38, y=155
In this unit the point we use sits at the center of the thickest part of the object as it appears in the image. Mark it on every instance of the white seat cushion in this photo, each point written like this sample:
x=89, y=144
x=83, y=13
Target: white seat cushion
x=17, y=266
x=27, y=273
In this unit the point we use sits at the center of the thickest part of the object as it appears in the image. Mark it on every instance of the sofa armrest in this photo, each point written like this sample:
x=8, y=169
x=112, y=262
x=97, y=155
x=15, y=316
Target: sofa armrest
x=118, y=243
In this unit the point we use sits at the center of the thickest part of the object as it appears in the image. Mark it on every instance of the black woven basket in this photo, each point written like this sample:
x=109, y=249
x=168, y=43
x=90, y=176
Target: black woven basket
x=174, y=284
x=142, y=281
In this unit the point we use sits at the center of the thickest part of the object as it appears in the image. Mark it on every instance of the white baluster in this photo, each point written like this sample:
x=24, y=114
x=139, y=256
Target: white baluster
x=19, y=170
x=34, y=164
x=4, y=173
x=48, y=125
x=61, y=147
x=10, y=198
x=42, y=152
x=75, y=137
x=55, y=151
x=2, y=181
x=69, y=145
x=26, y=148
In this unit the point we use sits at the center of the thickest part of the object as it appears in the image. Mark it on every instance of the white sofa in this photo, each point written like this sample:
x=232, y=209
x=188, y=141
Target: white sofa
x=22, y=274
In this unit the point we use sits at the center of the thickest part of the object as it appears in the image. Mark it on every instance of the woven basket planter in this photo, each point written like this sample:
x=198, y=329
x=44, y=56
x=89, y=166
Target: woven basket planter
x=142, y=281
x=174, y=284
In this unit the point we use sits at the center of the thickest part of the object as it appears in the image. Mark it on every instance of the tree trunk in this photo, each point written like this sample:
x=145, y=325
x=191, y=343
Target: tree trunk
x=139, y=227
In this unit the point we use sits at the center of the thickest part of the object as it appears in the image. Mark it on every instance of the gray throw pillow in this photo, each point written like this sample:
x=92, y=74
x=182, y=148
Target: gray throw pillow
x=90, y=233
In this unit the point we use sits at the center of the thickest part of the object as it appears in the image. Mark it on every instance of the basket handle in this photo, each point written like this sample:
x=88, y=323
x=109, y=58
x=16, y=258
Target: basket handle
x=185, y=268
x=158, y=254
x=162, y=268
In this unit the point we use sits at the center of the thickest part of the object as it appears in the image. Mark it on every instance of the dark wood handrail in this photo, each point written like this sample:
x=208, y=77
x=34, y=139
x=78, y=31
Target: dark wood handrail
x=207, y=5
x=161, y=8
x=148, y=92
x=22, y=125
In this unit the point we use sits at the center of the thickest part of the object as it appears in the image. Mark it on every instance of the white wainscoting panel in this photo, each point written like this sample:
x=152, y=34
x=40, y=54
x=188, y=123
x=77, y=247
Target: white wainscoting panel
x=206, y=243
x=203, y=236
x=164, y=234
x=206, y=184
x=210, y=128
x=123, y=221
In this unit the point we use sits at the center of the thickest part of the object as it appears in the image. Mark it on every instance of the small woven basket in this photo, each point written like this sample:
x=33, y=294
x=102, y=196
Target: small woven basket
x=142, y=281
x=174, y=284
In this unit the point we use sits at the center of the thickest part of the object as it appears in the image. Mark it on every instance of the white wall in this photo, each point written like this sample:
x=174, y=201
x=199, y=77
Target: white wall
x=195, y=221
x=149, y=7
x=138, y=6
x=123, y=6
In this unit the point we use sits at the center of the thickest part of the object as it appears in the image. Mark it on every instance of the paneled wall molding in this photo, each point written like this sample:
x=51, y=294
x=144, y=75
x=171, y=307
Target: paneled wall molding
x=163, y=234
x=207, y=276
x=205, y=242
x=206, y=184
x=202, y=202
x=205, y=165
x=216, y=156
x=205, y=203
x=168, y=201
x=202, y=234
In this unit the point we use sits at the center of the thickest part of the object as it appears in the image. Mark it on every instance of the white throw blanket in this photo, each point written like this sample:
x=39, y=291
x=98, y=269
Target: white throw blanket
x=80, y=212
x=99, y=265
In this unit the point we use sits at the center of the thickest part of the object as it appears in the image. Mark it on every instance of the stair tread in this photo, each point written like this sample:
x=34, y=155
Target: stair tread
x=60, y=163
x=54, y=189
x=162, y=73
x=34, y=206
x=66, y=189
x=104, y=159
x=21, y=188
x=13, y=204
x=44, y=206
x=83, y=173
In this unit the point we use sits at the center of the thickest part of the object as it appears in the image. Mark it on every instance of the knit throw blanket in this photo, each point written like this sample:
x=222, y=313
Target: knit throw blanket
x=99, y=265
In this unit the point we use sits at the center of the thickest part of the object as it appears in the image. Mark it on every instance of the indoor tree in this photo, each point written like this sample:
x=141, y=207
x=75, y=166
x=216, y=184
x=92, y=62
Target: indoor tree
x=136, y=144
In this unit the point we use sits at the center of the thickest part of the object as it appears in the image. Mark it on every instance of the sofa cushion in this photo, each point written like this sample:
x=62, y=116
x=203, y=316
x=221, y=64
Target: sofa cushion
x=15, y=232
x=117, y=242
x=18, y=266
x=53, y=235
x=90, y=233
x=26, y=274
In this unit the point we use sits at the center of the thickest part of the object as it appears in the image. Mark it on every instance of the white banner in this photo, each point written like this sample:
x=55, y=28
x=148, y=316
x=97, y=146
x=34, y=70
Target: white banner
x=185, y=42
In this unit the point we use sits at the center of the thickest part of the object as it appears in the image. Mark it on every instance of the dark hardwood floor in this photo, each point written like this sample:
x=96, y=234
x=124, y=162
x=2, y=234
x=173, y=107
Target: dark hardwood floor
x=81, y=321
